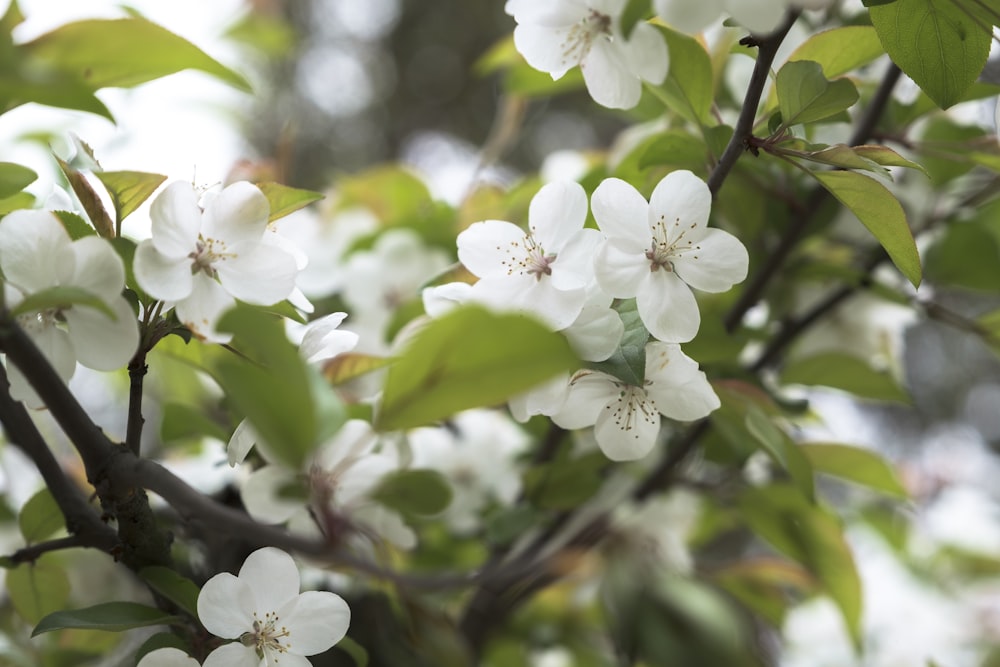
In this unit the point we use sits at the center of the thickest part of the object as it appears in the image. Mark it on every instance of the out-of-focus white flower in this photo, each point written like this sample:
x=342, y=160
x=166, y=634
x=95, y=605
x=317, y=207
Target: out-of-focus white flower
x=476, y=451
x=658, y=530
x=557, y=35
x=626, y=418
x=760, y=16
x=201, y=261
x=654, y=251
x=37, y=254
x=262, y=608
x=167, y=657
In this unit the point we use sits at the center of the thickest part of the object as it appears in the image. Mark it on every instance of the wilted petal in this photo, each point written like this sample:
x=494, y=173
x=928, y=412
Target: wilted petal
x=226, y=605
x=238, y=213
x=100, y=342
x=556, y=213
x=160, y=276
x=622, y=212
x=35, y=250
x=176, y=220
x=317, y=620
x=667, y=307
x=609, y=80
x=627, y=427
x=715, y=263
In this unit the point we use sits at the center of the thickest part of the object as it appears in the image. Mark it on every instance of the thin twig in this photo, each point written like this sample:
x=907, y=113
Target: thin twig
x=31, y=553
x=137, y=370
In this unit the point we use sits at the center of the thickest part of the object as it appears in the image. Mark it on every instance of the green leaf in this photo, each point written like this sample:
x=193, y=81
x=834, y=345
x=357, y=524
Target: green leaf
x=844, y=372
x=124, y=53
x=879, y=211
x=272, y=388
x=178, y=589
x=861, y=466
x=781, y=448
x=840, y=50
x=936, y=42
x=357, y=652
x=109, y=616
x=886, y=157
x=285, y=200
x=181, y=422
x=128, y=190
x=62, y=297
x=806, y=96
x=91, y=202
x=811, y=536
x=350, y=365
x=674, y=148
x=689, y=84
x=16, y=202
x=867, y=158
x=38, y=588
x=634, y=12
x=628, y=363
x=76, y=226
x=40, y=517
x=966, y=256
x=469, y=358
x=414, y=492
x=14, y=178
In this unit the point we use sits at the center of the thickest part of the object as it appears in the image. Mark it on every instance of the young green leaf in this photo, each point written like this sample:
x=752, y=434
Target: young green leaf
x=128, y=190
x=123, y=53
x=854, y=464
x=781, y=448
x=178, y=589
x=806, y=96
x=39, y=588
x=844, y=372
x=840, y=50
x=182, y=421
x=469, y=358
x=40, y=517
x=91, y=202
x=14, y=178
x=109, y=616
x=689, y=84
x=936, y=42
x=879, y=211
x=414, y=492
x=285, y=200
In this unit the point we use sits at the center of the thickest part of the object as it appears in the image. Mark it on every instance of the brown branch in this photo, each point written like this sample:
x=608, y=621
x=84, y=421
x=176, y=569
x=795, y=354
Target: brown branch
x=137, y=370
x=31, y=553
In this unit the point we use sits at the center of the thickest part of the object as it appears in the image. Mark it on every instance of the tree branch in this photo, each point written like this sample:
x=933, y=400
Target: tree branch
x=137, y=370
x=755, y=288
x=767, y=48
x=33, y=552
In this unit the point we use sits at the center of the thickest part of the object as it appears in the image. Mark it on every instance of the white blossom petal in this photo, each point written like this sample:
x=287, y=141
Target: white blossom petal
x=175, y=220
x=257, y=272
x=687, y=16
x=596, y=332
x=589, y=392
x=274, y=577
x=97, y=269
x=238, y=213
x=556, y=213
x=262, y=494
x=226, y=605
x=441, y=299
x=619, y=269
x=574, y=266
x=543, y=47
x=646, y=53
x=627, y=427
x=100, y=342
x=717, y=262
x=682, y=202
x=35, y=250
x=235, y=655
x=200, y=311
x=667, y=307
x=493, y=248
x=609, y=80
x=679, y=389
x=167, y=657
x=621, y=213
x=160, y=276
x=317, y=620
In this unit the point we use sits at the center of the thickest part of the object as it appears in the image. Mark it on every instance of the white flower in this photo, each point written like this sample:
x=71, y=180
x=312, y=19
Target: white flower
x=36, y=253
x=263, y=609
x=477, y=451
x=626, y=418
x=654, y=251
x=759, y=16
x=556, y=35
x=338, y=481
x=321, y=340
x=201, y=261
x=544, y=271
x=167, y=657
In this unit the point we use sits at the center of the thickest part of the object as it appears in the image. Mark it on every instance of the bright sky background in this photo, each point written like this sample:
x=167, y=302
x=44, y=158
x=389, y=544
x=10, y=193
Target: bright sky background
x=180, y=126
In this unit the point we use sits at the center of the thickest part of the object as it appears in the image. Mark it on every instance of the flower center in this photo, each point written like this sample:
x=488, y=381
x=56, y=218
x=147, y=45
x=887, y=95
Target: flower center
x=527, y=256
x=662, y=252
x=632, y=405
x=581, y=36
x=267, y=635
x=207, y=251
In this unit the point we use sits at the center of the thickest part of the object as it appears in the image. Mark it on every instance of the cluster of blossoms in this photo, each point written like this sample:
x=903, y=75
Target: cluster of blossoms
x=568, y=276
x=557, y=35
